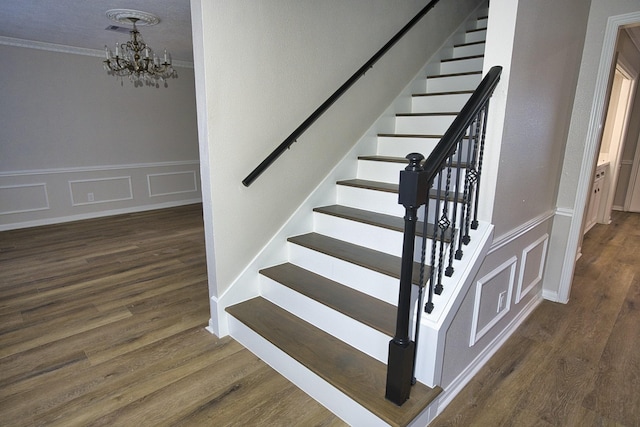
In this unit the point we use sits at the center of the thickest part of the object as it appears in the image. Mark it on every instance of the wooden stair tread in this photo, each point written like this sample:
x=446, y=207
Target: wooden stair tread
x=444, y=113
x=469, y=44
x=411, y=135
x=380, y=262
x=384, y=187
x=459, y=92
x=408, y=135
x=466, y=73
x=357, y=305
x=389, y=222
x=354, y=373
x=462, y=58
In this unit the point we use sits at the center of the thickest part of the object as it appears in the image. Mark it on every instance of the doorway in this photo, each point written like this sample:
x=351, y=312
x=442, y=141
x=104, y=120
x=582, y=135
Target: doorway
x=612, y=145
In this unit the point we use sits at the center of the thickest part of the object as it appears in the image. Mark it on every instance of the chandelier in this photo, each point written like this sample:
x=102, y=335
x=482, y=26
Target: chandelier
x=135, y=59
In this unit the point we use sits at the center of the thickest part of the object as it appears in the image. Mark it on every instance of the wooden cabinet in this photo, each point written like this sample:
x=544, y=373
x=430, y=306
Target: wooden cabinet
x=595, y=197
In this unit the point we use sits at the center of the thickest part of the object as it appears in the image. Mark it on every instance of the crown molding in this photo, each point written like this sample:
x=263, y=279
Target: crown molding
x=59, y=48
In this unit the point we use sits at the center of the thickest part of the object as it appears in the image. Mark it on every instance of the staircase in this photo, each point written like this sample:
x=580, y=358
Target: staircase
x=325, y=316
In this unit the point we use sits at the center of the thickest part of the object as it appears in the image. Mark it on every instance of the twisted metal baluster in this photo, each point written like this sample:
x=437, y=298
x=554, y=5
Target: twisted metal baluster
x=484, y=115
x=472, y=176
x=443, y=224
x=428, y=307
x=434, y=241
x=421, y=285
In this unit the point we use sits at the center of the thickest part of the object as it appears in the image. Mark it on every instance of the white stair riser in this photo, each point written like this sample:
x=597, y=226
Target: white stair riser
x=380, y=201
x=461, y=65
x=475, y=36
x=423, y=125
x=356, y=334
x=370, y=236
x=438, y=103
x=370, y=200
x=401, y=146
x=468, y=50
x=390, y=171
x=372, y=283
x=482, y=23
x=453, y=83
x=341, y=404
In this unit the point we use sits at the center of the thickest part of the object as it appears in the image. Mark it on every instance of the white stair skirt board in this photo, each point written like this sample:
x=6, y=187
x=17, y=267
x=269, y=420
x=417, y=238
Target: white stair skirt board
x=356, y=334
x=329, y=396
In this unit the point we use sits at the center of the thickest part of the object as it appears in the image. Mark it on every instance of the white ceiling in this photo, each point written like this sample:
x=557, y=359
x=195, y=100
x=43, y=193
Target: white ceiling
x=82, y=23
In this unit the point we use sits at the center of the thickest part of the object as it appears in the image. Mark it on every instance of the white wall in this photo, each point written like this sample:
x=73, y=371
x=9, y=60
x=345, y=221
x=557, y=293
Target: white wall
x=263, y=68
x=581, y=149
x=69, y=131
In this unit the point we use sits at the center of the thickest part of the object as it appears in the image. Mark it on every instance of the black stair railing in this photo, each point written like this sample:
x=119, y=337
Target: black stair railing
x=286, y=144
x=447, y=185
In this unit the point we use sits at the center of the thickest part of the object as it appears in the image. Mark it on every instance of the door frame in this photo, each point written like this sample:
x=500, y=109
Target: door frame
x=592, y=146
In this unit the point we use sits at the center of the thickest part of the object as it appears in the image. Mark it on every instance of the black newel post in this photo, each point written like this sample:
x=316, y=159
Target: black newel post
x=412, y=194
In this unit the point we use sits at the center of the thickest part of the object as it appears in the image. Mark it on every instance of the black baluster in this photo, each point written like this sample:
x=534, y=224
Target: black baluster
x=484, y=114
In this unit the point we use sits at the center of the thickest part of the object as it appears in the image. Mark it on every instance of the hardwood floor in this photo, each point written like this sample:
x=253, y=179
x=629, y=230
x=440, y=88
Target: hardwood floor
x=102, y=323
x=570, y=365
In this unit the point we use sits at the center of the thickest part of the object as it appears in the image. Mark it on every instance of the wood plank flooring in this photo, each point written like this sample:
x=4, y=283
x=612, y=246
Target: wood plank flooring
x=570, y=365
x=102, y=323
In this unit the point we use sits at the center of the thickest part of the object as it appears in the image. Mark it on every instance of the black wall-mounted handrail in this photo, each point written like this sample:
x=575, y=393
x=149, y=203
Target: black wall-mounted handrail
x=333, y=98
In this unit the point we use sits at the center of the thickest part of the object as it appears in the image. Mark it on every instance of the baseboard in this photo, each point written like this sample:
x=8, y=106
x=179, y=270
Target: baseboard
x=91, y=215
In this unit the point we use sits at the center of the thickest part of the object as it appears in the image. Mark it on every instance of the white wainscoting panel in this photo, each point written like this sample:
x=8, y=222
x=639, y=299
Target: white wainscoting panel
x=164, y=184
x=486, y=311
x=100, y=190
x=31, y=198
x=531, y=266
x=23, y=198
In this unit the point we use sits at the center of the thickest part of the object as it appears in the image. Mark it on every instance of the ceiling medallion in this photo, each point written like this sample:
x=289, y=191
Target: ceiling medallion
x=124, y=16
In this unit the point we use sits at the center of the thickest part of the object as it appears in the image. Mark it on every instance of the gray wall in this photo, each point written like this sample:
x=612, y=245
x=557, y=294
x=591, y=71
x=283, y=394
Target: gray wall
x=581, y=148
x=74, y=143
x=544, y=70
